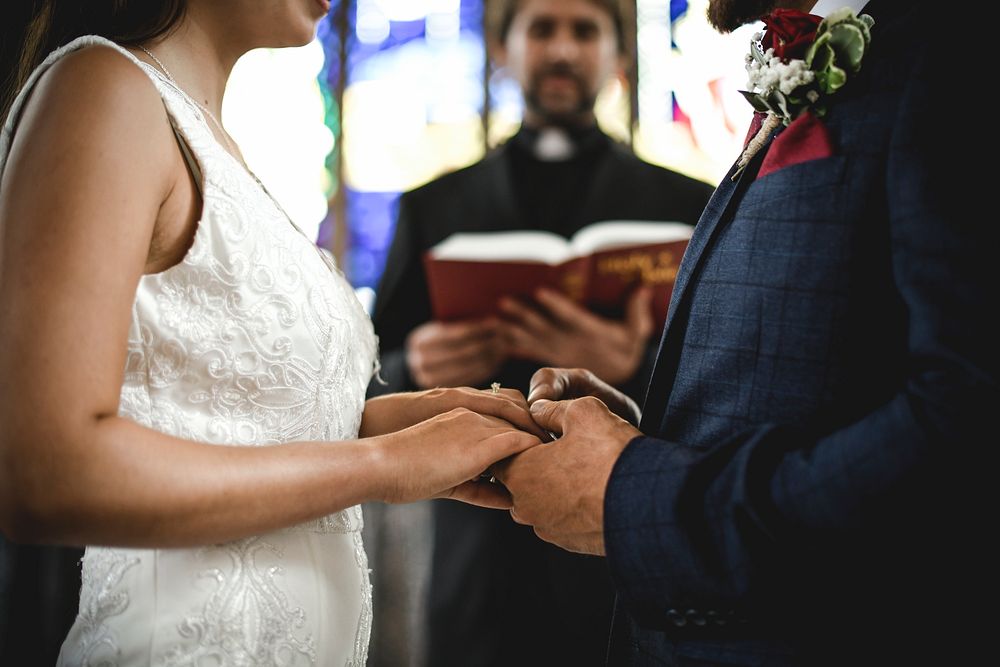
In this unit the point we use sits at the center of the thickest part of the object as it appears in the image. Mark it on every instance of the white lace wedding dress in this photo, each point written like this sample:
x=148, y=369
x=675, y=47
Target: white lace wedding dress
x=253, y=339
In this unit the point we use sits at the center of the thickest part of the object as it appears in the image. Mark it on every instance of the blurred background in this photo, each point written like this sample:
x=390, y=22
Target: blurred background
x=396, y=92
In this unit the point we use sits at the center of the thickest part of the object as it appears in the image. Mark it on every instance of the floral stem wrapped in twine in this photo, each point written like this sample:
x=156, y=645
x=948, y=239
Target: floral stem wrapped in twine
x=771, y=123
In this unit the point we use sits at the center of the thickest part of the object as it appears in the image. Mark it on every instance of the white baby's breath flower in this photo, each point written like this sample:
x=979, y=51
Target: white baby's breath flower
x=812, y=96
x=753, y=76
x=769, y=79
x=792, y=75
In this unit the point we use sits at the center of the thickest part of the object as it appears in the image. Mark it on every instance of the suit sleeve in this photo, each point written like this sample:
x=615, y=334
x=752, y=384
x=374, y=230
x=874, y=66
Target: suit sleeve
x=402, y=302
x=718, y=528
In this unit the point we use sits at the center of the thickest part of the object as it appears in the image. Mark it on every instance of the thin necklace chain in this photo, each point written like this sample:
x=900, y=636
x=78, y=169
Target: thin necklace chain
x=233, y=151
x=208, y=112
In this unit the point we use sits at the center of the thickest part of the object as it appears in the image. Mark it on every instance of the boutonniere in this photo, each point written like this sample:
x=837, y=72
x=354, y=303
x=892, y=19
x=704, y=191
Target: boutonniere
x=798, y=63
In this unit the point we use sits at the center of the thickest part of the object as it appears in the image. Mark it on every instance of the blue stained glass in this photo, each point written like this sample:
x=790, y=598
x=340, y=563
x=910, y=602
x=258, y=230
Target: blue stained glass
x=471, y=16
x=328, y=37
x=404, y=31
x=373, y=215
x=450, y=67
x=678, y=8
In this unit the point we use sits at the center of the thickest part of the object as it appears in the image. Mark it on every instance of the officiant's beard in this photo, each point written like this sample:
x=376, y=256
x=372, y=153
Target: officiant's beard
x=728, y=15
x=580, y=113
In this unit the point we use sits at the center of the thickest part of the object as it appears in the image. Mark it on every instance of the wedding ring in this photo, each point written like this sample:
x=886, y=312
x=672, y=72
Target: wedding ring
x=495, y=388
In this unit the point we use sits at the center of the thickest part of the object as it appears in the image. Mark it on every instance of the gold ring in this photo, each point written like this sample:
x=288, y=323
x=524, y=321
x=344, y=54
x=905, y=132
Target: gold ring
x=495, y=388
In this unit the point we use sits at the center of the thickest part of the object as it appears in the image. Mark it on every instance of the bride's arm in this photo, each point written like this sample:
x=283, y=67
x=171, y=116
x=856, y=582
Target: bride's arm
x=90, y=170
x=115, y=482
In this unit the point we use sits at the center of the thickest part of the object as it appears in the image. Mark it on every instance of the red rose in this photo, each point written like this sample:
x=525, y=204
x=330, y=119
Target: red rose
x=790, y=33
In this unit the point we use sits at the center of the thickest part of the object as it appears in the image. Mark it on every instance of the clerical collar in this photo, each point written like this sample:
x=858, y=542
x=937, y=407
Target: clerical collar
x=558, y=144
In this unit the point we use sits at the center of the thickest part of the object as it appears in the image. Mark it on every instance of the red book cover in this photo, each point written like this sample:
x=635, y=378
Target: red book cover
x=468, y=273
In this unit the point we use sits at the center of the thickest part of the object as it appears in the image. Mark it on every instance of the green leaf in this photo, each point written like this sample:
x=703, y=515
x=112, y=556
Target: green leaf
x=849, y=44
x=755, y=101
x=757, y=54
x=810, y=54
x=839, y=16
x=778, y=103
x=846, y=16
x=835, y=79
x=865, y=26
x=799, y=99
x=822, y=54
x=768, y=108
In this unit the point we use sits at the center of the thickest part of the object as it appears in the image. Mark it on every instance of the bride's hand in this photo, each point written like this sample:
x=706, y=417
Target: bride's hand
x=395, y=412
x=444, y=456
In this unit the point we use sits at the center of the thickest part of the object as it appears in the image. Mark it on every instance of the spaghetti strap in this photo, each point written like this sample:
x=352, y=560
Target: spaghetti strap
x=189, y=159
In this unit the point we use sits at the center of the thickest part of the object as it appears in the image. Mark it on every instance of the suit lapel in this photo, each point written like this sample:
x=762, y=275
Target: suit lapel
x=720, y=208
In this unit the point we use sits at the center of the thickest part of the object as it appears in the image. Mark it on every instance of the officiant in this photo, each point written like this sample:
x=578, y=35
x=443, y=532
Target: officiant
x=498, y=595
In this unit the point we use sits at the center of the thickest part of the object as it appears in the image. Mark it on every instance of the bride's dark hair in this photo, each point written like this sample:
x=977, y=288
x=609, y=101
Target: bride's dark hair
x=34, y=28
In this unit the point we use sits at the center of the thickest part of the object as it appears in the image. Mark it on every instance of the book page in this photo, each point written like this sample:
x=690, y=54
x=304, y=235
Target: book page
x=623, y=233
x=516, y=246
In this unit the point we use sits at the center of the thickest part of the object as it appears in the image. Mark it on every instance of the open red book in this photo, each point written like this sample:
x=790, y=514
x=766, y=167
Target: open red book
x=599, y=267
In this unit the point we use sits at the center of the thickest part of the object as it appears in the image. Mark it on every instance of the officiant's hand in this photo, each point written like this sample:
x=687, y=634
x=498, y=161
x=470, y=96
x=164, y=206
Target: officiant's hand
x=453, y=354
x=558, y=332
x=558, y=488
x=559, y=384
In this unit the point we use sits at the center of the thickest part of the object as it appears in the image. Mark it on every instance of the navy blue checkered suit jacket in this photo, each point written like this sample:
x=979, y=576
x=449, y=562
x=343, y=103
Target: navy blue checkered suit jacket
x=809, y=486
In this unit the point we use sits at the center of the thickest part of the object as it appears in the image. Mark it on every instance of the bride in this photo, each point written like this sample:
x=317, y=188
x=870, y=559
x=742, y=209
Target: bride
x=183, y=372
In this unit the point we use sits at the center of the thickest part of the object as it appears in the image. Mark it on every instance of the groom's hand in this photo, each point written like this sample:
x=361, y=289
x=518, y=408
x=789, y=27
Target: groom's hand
x=555, y=331
x=558, y=488
x=559, y=384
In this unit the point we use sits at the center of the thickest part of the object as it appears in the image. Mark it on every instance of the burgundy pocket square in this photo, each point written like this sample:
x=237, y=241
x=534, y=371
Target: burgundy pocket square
x=805, y=139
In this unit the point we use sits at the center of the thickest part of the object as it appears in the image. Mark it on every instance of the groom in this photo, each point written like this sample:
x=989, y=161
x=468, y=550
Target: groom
x=804, y=484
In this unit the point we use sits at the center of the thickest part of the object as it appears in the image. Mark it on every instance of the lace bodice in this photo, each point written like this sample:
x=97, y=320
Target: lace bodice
x=257, y=309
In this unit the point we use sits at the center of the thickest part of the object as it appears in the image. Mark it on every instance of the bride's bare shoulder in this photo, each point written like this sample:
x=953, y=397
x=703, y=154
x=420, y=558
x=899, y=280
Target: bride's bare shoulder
x=98, y=106
x=94, y=89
